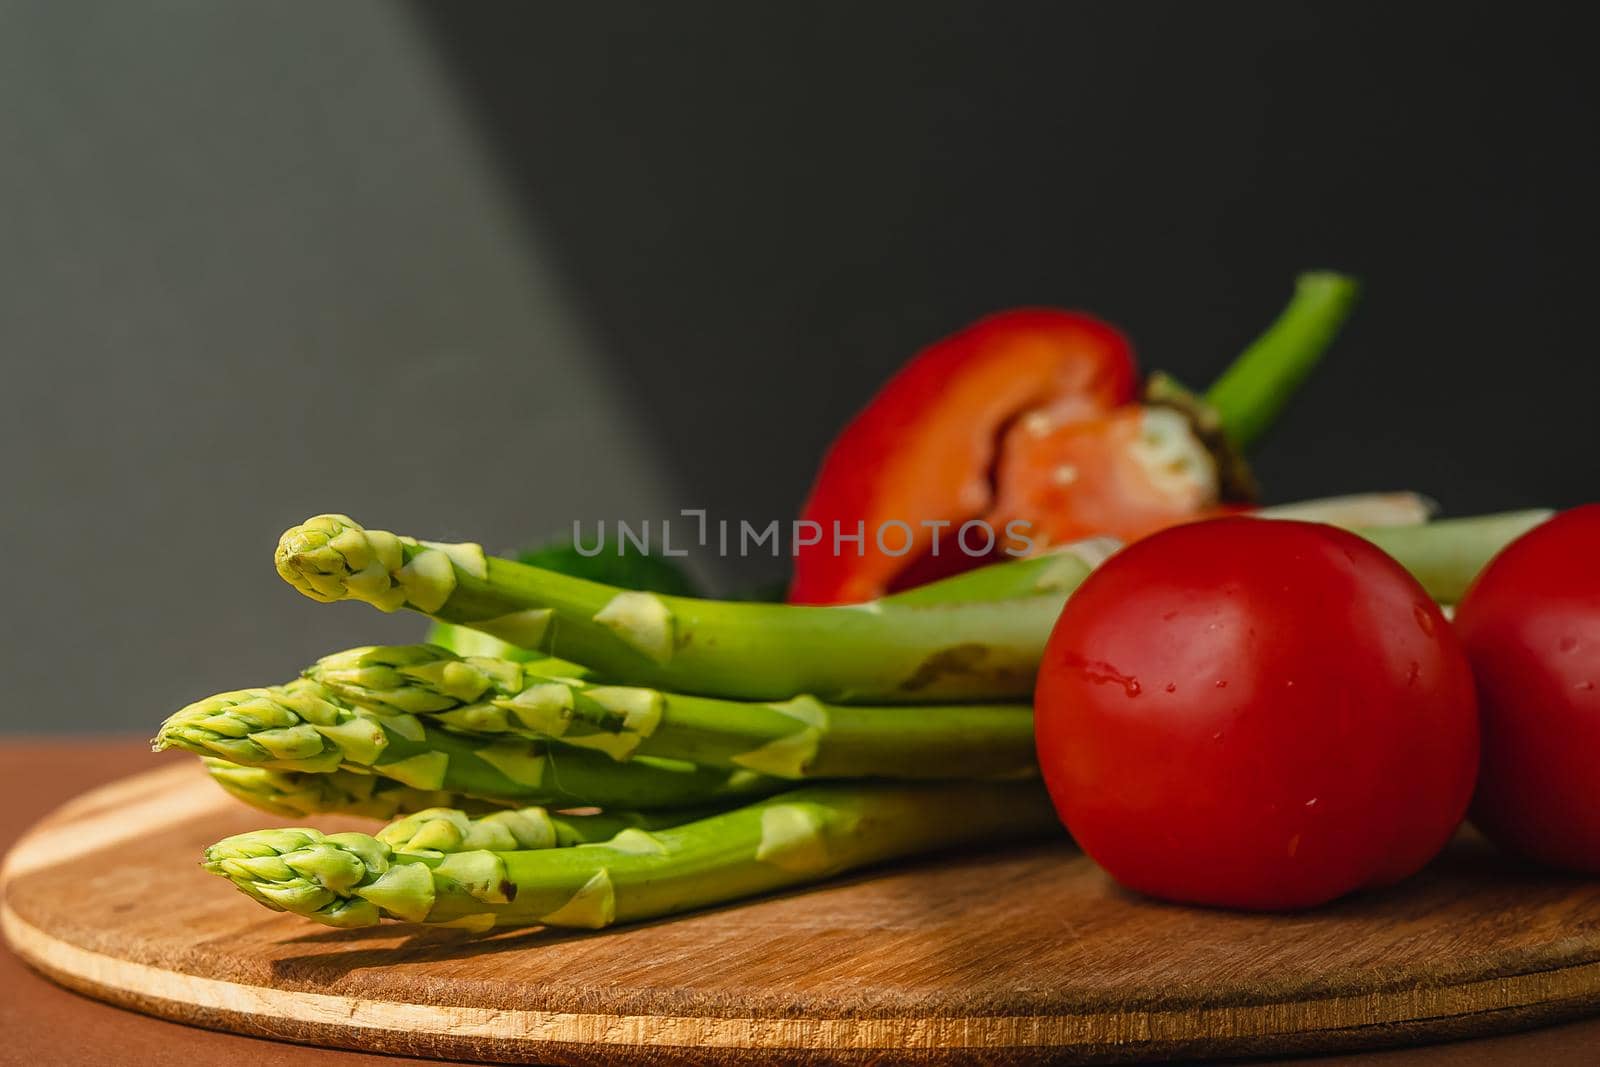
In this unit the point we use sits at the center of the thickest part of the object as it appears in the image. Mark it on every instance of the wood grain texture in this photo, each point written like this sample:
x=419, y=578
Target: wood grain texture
x=1011, y=956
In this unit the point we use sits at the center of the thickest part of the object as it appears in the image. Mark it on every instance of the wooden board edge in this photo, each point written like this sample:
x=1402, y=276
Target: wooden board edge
x=122, y=810
x=104, y=817
x=516, y=1035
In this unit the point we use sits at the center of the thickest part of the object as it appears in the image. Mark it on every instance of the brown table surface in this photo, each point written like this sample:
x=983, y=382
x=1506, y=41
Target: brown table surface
x=45, y=1025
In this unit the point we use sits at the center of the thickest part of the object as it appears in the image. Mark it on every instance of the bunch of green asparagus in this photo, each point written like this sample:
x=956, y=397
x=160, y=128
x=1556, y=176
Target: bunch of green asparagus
x=703, y=751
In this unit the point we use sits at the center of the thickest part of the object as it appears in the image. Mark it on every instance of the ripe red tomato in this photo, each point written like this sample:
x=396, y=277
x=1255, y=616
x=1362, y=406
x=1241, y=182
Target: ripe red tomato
x=1531, y=626
x=1256, y=714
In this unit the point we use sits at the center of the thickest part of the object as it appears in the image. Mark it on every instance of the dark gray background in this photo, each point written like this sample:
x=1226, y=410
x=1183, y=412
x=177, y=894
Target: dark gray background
x=475, y=270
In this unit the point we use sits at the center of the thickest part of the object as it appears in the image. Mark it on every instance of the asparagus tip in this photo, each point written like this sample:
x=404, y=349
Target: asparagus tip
x=326, y=878
x=332, y=557
x=321, y=556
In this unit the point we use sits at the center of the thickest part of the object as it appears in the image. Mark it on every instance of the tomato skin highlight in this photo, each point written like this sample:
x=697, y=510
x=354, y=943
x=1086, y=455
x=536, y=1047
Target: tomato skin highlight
x=1257, y=714
x=1531, y=626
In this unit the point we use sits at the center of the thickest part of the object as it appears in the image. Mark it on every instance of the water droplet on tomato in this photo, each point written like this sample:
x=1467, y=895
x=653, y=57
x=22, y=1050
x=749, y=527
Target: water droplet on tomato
x=1413, y=672
x=1569, y=643
x=1217, y=736
x=1222, y=683
x=1424, y=619
x=1585, y=686
x=1311, y=803
x=1172, y=687
x=1100, y=672
x=1168, y=616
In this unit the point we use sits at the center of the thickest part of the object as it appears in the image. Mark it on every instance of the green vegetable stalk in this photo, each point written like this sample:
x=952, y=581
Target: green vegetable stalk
x=905, y=649
x=298, y=793
x=797, y=738
x=1446, y=555
x=871, y=653
x=792, y=839
x=1058, y=570
x=1254, y=389
x=304, y=727
x=465, y=641
x=452, y=830
x=430, y=819
x=1443, y=555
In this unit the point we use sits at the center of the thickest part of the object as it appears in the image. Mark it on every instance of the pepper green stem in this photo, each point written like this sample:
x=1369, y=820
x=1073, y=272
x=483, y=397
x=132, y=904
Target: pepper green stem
x=1253, y=391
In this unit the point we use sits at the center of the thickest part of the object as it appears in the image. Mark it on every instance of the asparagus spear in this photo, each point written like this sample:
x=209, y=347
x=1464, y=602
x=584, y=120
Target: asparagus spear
x=791, y=839
x=465, y=641
x=1055, y=572
x=1446, y=555
x=880, y=652
x=1061, y=568
x=1357, y=511
x=1058, y=569
x=903, y=650
x=798, y=738
x=424, y=813
x=453, y=830
x=298, y=793
x=304, y=727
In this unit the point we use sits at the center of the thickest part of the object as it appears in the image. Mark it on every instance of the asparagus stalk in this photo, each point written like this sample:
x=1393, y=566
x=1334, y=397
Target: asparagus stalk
x=798, y=738
x=465, y=641
x=304, y=727
x=1357, y=511
x=792, y=839
x=1059, y=570
x=430, y=818
x=1445, y=556
x=453, y=830
x=903, y=649
x=868, y=653
x=297, y=793
x=1054, y=572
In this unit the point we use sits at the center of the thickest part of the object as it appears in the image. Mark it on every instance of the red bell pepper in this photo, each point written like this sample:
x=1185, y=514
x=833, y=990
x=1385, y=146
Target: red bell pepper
x=1124, y=474
x=1029, y=416
x=923, y=449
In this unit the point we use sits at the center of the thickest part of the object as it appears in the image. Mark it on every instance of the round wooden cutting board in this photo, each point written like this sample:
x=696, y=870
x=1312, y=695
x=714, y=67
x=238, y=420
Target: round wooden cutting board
x=1003, y=957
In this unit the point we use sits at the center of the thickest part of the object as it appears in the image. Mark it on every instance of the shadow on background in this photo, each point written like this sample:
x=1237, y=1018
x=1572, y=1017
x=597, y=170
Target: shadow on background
x=764, y=210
